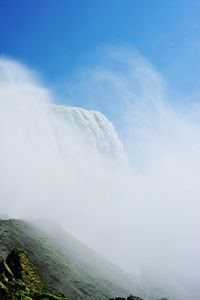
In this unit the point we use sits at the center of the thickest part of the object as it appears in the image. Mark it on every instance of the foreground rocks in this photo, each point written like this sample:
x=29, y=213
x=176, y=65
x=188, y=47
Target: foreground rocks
x=133, y=298
x=19, y=280
x=129, y=298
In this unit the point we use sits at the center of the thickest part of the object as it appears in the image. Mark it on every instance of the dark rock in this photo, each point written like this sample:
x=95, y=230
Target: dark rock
x=3, y=292
x=13, y=260
x=131, y=297
x=134, y=298
x=5, y=272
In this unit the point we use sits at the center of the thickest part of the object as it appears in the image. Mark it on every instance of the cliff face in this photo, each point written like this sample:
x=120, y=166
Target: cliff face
x=47, y=263
x=19, y=280
x=61, y=262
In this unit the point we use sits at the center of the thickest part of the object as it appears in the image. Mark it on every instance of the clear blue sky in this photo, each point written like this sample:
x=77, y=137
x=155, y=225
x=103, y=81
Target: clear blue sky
x=53, y=36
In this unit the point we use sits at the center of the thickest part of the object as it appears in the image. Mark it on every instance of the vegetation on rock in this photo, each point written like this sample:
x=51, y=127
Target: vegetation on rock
x=51, y=261
x=63, y=263
x=19, y=280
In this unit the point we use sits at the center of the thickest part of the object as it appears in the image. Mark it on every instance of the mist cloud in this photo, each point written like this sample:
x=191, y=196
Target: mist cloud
x=144, y=217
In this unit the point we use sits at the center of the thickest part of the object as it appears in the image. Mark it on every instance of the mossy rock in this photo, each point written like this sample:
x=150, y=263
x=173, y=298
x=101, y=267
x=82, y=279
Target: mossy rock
x=24, y=270
x=21, y=280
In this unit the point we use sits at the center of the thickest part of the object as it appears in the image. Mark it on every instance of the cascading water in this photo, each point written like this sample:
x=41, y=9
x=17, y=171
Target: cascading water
x=97, y=131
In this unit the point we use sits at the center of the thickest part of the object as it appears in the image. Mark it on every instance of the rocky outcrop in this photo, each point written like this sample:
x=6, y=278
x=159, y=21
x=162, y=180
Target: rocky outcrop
x=19, y=280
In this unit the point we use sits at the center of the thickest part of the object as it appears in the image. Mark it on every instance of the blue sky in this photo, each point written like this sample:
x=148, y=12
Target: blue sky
x=55, y=36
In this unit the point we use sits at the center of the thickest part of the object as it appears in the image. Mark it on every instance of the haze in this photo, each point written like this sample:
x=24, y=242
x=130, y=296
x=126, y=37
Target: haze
x=141, y=209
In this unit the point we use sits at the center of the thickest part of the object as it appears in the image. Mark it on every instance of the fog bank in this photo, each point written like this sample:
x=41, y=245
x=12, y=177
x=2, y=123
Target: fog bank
x=135, y=200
